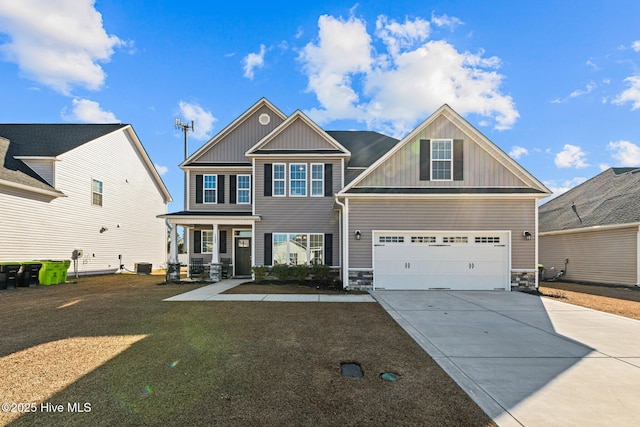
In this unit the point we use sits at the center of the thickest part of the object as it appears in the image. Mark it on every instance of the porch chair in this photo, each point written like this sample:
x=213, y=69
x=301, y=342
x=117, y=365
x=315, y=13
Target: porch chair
x=225, y=267
x=196, y=267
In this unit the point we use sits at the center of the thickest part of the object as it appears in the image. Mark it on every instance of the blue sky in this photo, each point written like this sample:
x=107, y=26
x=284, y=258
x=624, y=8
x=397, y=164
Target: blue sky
x=556, y=84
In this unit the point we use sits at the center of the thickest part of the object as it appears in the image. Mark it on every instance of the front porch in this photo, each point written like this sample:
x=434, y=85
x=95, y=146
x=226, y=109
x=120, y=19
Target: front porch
x=216, y=239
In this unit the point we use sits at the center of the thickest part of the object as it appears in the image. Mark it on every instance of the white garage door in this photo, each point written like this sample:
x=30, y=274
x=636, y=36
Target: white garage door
x=439, y=260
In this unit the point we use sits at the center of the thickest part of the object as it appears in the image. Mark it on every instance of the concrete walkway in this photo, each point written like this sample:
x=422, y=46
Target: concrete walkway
x=214, y=291
x=526, y=360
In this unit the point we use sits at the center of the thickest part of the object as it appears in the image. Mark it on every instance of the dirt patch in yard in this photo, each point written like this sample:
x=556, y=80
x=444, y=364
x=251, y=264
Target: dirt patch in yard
x=111, y=343
x=620, y=300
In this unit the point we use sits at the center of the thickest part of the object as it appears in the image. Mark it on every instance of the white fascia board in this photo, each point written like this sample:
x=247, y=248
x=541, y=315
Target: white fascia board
x=23, y=187
x=590, y=229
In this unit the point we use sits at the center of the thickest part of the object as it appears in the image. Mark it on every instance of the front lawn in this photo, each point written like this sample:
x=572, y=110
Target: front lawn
x=110, y=342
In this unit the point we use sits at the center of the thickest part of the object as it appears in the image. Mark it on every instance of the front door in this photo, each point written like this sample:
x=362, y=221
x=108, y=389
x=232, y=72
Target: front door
x=242, y=261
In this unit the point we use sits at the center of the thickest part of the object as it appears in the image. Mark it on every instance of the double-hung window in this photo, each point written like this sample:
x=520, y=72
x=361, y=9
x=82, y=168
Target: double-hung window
x=279, y=171
x=244, y=189
x=210, y=188
x=298, y=249
x=207, y=242
x=441, y=159
x=298, y=179
x=96, y=192
x=317, y=179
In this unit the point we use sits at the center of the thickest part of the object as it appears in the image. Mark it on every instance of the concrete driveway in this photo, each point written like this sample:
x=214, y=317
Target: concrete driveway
x=528, y=360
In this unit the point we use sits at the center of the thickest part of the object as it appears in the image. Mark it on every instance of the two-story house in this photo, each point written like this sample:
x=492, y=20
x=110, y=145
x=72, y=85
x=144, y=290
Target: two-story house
x=442, y=208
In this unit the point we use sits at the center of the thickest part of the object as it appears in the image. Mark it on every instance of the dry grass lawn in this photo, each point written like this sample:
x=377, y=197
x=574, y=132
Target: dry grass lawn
x=111, y=343
x=620, y=300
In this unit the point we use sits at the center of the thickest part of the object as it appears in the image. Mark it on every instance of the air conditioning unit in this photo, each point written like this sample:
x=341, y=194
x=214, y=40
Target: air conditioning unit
x=143, y=268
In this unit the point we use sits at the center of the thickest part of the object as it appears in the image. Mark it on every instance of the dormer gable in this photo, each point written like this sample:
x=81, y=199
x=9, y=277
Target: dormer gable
x=230, y=144
x=446, y=154
x=298, y=134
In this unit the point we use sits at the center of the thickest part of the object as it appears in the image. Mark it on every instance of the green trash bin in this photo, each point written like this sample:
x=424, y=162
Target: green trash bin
x=49, y=273
x=64, y=268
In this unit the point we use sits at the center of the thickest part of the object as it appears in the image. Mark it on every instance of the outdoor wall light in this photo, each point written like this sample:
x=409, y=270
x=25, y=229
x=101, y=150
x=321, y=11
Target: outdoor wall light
x=103, y=229
x=358, y=234
x=527, y=235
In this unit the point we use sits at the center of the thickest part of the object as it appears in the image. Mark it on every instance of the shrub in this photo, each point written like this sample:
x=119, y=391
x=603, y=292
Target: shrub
x=300, y=272
x=281, y=271
x=321, y=273
x=260, y=272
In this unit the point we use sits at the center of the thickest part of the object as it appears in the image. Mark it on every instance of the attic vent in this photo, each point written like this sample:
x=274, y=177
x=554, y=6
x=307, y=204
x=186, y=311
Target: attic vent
x=264, y=119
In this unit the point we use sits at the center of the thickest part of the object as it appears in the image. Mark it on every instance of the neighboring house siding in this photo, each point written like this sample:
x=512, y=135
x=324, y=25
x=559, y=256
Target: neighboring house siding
x=480, y=169
x=296, y=214
x=219, y=207
x=31, y=228
x=298, y=135
x=441, y=215
x=606, y=256
x=231, y=148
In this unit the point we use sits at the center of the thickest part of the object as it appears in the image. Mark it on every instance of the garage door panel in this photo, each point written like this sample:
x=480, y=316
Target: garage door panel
x=470, y=263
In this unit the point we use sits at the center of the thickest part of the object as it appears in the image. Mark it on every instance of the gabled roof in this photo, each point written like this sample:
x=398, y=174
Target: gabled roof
x=492, y=149
x=609, y=198
x=50, y=141
x=231, y=127
x=335, y=146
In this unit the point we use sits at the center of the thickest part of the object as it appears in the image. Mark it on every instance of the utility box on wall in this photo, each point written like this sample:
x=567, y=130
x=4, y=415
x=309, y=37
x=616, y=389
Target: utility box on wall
x=143, y=268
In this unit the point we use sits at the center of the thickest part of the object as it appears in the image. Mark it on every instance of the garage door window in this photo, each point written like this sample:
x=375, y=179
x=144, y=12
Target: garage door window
x=423, y=239
x=487, y=239
x=391, y=239
x=455, y=239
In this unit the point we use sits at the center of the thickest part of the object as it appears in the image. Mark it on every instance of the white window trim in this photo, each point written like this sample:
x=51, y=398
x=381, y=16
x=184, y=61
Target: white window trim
x=306, y=179
x=312, y=180
x=284, y=181
x=205, y=189
x=288, y=256
x=450, y=160
x=101, y=193
x=238, y=189
x=202, y=241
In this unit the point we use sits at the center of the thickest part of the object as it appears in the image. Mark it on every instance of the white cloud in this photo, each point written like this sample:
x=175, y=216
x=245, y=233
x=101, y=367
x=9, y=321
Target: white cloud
x=587, y=90
x=450, y=22
x=87, y=111
x=559, y=187
x=632, y=94
x=161, y=169
x=571, y=156
x=203, y=120
x=253, y=61
x=392, y=91
x=625, y=152
x=58, y=44
x=517, y=152
x=636, y=46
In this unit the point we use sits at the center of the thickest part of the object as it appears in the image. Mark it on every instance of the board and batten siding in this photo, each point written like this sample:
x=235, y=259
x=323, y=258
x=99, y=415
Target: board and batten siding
x=604, y=256
x=371, y=214
x=296, y=214
x=231, y=147
x=480, y=169
x=218, y=207
x=41, y=228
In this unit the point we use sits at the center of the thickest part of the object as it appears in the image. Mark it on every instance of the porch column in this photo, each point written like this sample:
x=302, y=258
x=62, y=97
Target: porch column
x=215, y=255
x=173, y=249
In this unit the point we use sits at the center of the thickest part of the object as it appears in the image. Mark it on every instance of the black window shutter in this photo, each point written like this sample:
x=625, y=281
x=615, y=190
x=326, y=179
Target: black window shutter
x=268, y=247
x=267, y=179
x=220, y=188
x=222, y=241
x=232, y=189
x=328, y=249
x=425, y=160
x=199, y=188
x=458, y=163
x=197, y=242
x=328, y=180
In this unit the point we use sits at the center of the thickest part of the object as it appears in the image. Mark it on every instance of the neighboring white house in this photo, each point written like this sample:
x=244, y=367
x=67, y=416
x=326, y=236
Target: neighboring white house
x=88, y=187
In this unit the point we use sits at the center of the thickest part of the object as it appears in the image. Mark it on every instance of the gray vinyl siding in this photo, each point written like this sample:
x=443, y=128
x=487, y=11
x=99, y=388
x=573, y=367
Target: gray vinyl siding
x=231, y=147
x=606, y=256
x=480, y=168
x=206, y=258
x=442, y=215
x=295, y=214
x=298, y=135
x=218, y=207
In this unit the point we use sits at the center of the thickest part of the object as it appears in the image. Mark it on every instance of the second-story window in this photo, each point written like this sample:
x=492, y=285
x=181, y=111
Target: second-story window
x=298, y=179
x=96, y=192
x=279, y=179
x=210, y=188
x=317, y=179
x=244, y=189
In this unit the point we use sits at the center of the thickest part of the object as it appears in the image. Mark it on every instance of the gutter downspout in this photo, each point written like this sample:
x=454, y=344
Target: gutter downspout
x=345, y=242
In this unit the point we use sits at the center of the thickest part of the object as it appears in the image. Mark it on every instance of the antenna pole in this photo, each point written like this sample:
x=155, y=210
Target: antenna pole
x=185, y=128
